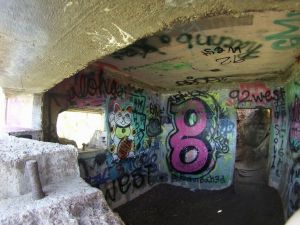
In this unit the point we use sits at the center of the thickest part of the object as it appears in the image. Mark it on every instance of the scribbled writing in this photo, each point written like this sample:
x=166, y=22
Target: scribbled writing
x=227, y=59
x=139, y=118
x=294, y=137
x=135, y=180
x=278, y=148
x=247, y=96
x=230, y=59
x=154, y=122
x=251, y=48
x=94, y=84
x=200, y=80
x=219, y=50
x=279, y=105
x=143, y=47
x=208, y=179
x=294, y=189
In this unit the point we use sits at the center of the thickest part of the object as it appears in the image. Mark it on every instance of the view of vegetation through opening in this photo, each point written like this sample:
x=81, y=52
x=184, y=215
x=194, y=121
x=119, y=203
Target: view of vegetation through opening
x=86, y=128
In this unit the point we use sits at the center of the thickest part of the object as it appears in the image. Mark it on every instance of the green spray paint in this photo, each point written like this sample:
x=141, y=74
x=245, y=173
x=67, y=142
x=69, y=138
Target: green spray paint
x=286, y=40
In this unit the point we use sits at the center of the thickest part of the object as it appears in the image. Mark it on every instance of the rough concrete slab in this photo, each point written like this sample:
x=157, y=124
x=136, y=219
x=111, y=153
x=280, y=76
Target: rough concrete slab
x=43, y=42
x=67, y=203
x=55, y=162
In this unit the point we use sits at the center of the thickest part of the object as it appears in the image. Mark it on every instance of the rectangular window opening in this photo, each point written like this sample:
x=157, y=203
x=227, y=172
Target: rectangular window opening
x=83, y=128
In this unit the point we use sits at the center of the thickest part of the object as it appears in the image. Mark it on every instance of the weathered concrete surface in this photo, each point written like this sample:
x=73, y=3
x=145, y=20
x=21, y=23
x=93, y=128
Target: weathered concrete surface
x=55, y=163
x=31, y=105
x=25, y=133
x=43, y=42
x=212, y=51
x=67, y=203
x=68, y=200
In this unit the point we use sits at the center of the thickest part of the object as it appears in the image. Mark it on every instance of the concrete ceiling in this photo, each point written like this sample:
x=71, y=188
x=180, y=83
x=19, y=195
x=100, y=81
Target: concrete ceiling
x=43, y=42
x=220, y=49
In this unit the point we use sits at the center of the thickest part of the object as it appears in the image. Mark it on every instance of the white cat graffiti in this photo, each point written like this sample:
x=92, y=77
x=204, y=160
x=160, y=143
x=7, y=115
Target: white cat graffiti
x=121, y=132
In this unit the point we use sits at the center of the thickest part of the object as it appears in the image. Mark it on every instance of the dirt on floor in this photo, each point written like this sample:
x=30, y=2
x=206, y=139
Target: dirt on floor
x=246, y=204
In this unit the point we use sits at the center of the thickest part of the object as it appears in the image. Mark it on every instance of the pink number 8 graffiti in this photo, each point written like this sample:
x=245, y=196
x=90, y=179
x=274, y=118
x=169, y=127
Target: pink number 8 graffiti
x=188, y=154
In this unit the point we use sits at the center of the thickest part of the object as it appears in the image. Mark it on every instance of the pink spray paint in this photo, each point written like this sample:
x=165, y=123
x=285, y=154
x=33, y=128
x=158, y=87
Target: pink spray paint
x=186, y=138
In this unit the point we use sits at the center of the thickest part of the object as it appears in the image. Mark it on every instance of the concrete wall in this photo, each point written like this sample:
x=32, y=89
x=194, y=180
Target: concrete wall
x=68, y=199
x=55, y=163
x=130, y=164
x=214, y=132
x=286, y=177
x=200, y=138
x=184, y=138
x=22, y=115
x=15, y=104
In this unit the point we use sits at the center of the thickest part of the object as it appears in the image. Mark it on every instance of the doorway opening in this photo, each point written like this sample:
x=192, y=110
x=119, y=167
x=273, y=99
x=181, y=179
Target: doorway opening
x=253, y=136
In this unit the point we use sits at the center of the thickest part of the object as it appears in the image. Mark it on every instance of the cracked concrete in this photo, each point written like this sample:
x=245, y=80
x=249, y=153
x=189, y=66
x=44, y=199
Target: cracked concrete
x=42, y=43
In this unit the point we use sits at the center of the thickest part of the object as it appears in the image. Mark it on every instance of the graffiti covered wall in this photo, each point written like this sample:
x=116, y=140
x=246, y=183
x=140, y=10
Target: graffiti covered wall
x=284, y=167
x=214, y=50
x=130, y=164
x=201, y=133
x=290, y=183
x=134, y=143
x=200, y=140
x=201, y=137
x=185, y=138
x=251, y=95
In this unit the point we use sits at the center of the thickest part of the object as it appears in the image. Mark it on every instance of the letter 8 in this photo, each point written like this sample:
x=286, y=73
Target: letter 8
x=189, y=154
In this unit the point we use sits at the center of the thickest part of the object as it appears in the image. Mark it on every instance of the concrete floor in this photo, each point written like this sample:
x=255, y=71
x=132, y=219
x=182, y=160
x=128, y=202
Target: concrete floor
x=246, y=204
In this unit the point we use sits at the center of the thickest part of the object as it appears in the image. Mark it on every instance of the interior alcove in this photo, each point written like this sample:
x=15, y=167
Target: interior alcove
x=170, y=103
x=253, y=137
x=169, y=77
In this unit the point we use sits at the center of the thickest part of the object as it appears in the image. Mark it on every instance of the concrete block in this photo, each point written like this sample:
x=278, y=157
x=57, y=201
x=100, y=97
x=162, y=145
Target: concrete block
x=55, y=162
x=69, y=202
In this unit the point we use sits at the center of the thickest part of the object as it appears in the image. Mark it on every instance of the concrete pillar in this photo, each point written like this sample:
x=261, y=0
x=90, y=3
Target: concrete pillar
x=35, y=182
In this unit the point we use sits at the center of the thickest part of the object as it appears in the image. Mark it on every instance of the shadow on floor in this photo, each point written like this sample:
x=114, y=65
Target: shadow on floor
x=247, y=204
